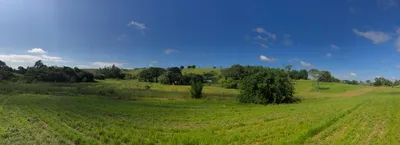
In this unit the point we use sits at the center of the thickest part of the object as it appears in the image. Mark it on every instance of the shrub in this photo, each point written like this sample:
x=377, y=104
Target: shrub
x=268, y=86
x=196, y=89
x=228, y=83
x=99, y=76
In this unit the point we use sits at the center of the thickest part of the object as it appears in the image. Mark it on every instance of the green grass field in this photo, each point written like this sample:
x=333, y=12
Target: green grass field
x=337, y=114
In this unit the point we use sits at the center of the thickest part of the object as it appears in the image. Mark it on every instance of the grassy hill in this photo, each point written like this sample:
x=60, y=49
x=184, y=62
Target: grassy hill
x=93, y=113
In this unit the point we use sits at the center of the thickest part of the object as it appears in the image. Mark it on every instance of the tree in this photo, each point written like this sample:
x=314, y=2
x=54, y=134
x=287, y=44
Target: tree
x=193, y=66
x=39, y=63
x=381, y=81
x=186, y=79
x=189, y=66
x=368, y=82
x=303, y=74
x=173, y=75
x=267, y=86
x=294, y=74
x=182, y=67
x=111, y=72
x=196, y=89
x=316, y=75
x=151, y=74
x=3, y=64
x=5, y=71
x=21, y=70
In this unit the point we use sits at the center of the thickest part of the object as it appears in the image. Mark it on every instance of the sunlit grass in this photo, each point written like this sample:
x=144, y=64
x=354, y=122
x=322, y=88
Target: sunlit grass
x=323, y=117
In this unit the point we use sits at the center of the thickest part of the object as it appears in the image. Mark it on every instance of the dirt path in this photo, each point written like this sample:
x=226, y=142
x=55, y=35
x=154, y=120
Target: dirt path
x=356, y=92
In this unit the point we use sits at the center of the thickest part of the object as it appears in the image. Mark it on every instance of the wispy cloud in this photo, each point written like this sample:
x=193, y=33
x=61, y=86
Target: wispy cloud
x=37, y=51
x=397, y=44
x=306, y=64
x=334, y=47
x=353, y=74
x=262, y=31
x=137, y=25
x=387, y=4
x=287, y=40
x=263, y=45
x=397, y=66
x=121, y=37
x=169, y=51
x=352, y=10
x=154, y=61
x=328, y=55
x=376, y=36
x=266, y=59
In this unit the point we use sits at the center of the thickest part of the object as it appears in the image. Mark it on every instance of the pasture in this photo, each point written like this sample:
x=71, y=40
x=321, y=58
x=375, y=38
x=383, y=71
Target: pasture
x=122, y=112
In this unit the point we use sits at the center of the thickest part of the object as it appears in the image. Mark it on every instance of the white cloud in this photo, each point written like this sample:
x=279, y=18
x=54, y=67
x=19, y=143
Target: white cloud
x=334, y=47
x=376, y=36
x=266, y=59
x=104, y=64
x=137, y=25
x=328, y=55
x=169, y=51
x=154, y=61
x=37, y=51
x=305, y=64
x=378, y=77
x=262, y=31
x=263, y=45
x=15, y=60
x=353, y=74
x=397, y=66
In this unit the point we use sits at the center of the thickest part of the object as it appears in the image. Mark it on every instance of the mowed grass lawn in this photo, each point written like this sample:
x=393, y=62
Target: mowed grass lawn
x=338, y=114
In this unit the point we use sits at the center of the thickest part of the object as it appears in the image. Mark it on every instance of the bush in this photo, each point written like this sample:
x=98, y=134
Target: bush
x=196, y=89
x=228, y=83
x=99, y=76
x=268, y=86
x=186, y=79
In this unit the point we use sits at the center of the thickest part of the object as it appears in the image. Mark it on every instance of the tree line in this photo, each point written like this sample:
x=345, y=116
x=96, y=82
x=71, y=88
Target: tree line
x=40, y=72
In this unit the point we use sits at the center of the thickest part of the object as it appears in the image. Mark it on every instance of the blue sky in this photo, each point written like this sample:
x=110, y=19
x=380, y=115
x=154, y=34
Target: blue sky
x=354, y=39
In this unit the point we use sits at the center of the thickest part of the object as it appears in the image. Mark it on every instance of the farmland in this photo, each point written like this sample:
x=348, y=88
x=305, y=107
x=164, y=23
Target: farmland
x=164, y=114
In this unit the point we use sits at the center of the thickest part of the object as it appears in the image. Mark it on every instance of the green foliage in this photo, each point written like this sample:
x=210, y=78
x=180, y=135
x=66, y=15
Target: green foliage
x=303, y=74
x=268, y=86
x=151, y=74
x=381, y=81
x=228, y=83
x=191, y=66
x=351, y=82
x=173, y=75
x=196, y=89
x=186, y=79
x=111, y=72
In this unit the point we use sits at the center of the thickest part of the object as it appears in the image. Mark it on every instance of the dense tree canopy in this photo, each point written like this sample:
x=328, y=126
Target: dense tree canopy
x=266, y=86
x=381, y=81
x=151, y=74
x=110, y=72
